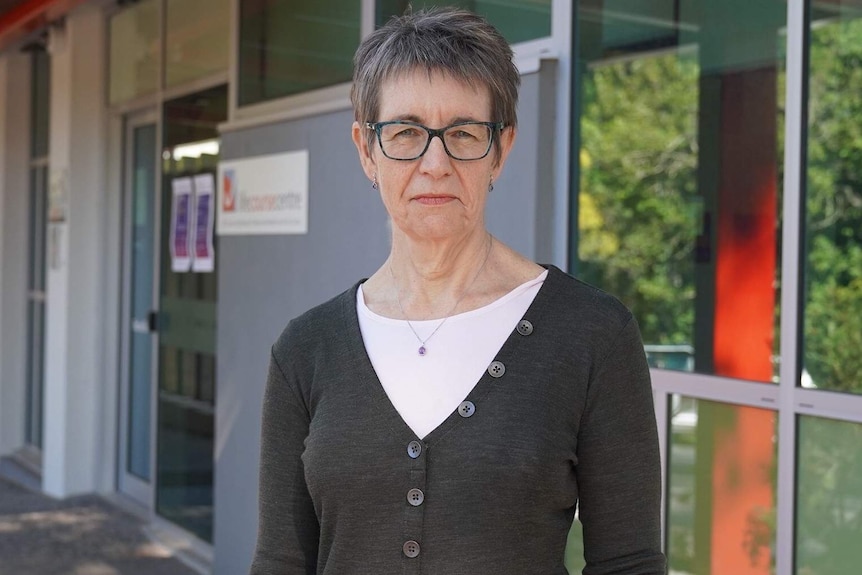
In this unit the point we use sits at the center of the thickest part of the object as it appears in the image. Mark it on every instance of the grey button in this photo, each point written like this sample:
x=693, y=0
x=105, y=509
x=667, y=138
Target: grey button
x=466, y=409
x=411, y=549
x=414, y=449
x=496, y=369
x=525, y=327
x=415, y=497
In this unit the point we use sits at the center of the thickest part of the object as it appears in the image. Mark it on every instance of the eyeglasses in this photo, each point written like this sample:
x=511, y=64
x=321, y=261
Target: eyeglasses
x=402, y=140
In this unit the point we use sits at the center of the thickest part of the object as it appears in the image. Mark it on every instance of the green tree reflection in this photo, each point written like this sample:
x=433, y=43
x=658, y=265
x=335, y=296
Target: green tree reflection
x=833, y=310
x=638, y=189
x=829, y=488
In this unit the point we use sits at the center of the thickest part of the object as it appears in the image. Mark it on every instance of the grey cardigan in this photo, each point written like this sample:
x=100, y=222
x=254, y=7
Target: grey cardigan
x=564, y=416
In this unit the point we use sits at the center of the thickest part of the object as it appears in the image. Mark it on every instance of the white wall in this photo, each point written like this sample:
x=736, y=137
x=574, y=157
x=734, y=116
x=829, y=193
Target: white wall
x=80, y=401
x=14, y=193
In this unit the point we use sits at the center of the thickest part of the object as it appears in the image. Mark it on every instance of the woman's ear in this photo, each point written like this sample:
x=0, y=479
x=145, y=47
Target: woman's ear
x=360, y=140
x=507, y=140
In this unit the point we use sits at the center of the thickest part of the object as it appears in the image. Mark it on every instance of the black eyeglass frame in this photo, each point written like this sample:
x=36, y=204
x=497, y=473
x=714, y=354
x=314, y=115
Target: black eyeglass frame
x=495, y=127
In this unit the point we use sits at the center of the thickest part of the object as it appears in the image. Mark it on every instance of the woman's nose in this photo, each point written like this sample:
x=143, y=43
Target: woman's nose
x=435, y=158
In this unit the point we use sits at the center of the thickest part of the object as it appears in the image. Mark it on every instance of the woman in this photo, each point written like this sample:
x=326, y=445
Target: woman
x=446, y=415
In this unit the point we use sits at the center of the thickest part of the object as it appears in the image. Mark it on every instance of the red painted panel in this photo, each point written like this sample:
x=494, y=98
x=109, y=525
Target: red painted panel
x=745, y=315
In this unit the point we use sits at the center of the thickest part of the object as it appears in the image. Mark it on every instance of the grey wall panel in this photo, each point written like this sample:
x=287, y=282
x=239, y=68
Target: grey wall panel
x=266, y=280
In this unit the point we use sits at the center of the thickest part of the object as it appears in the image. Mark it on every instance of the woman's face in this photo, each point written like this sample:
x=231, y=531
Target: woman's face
x=434, y=197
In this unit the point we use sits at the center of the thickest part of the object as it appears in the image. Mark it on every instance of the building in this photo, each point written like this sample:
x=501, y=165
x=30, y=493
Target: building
x=699, y=158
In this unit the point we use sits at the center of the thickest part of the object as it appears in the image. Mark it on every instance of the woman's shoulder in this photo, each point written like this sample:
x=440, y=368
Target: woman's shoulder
x=577, y=301
x=323, y=322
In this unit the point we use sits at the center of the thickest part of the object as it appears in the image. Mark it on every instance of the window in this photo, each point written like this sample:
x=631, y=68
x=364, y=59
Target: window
x=134, y=52
x=517, y=20
x=40, y=87
x=292, y=46
x=828, y=496
x=833, y=201
x=680, y=153
x=721, y=488
x=197, y=39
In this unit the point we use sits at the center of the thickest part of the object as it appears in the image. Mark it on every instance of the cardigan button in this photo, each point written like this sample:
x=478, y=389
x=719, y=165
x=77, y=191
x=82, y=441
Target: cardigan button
x=410, y=549
x=496, y=369
x=415, y=497
x=525, y=327
x=466, y=409
x=414, y=449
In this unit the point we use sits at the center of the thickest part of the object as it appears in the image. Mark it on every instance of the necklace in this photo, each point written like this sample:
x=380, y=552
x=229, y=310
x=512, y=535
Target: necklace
x=422, y=349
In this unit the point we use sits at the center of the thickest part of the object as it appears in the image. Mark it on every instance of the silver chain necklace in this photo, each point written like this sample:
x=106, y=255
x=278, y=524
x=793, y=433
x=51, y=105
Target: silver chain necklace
x=422, y=349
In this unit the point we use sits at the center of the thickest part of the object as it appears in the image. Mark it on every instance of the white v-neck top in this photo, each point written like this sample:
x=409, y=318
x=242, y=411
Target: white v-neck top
x=425, y=390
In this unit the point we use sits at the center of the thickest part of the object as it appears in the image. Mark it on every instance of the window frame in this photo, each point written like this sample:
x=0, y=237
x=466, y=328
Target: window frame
x=337, y=97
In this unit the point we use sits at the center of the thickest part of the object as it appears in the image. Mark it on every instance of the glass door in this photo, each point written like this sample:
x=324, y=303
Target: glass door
x=187, y=318
x=136, y=413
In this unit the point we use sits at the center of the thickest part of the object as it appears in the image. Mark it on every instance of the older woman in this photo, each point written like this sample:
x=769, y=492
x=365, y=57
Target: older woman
x=447, y=415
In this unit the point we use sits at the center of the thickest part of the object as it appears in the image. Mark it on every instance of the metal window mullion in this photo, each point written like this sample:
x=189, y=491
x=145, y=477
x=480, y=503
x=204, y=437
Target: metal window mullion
x=233, y=61
x=716, y=388
x=366, y=18
x=562, y=40
x=794, y=169
x=661, y=401
x=834, y=405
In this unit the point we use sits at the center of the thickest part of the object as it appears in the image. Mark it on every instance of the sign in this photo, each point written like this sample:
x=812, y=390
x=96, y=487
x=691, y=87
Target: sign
x=58, y=195
x=263, y=195
x=181, y=213
x=204, y=258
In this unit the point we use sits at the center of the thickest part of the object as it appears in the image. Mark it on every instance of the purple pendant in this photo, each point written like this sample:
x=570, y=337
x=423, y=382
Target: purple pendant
x=421, y=350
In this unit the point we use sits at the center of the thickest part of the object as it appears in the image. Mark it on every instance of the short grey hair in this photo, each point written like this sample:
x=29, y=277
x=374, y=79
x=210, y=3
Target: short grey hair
x=451, y=41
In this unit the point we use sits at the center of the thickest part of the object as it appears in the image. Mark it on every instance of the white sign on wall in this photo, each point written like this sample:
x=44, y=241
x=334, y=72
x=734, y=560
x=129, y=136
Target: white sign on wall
x=263, y=195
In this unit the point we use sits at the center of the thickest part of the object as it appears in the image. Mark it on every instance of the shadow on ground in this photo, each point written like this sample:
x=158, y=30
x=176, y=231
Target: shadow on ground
x=78, y=536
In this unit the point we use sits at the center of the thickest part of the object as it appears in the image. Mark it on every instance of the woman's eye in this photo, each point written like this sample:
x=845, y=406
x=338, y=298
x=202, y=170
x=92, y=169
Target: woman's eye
x=463, y=135
x=406, y=133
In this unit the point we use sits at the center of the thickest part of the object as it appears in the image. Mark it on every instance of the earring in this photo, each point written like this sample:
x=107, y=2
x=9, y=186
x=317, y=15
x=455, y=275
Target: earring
x=491, y=185
x=374, y=182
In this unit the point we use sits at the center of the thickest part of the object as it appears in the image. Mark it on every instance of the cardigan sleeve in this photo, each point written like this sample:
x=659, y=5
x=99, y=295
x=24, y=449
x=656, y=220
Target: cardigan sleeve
x=288, y=530
x=619, y=469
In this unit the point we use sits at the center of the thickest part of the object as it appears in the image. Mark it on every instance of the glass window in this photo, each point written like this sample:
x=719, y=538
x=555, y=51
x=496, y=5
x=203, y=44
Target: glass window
x=721, y=484
x=833, y=200
x=36, y=296
x=517, y=20
x=678, y=186
x=134, y=52
x=197, y=39
x=828, y=497
x=291, y=46
x=41, y=111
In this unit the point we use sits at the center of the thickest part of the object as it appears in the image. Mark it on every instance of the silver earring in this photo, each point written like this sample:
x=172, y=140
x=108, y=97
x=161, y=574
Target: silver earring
x=374, y=182
x=491, y=186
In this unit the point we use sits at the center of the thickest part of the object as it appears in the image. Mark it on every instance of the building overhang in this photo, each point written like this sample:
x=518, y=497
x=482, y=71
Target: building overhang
x=22, y=18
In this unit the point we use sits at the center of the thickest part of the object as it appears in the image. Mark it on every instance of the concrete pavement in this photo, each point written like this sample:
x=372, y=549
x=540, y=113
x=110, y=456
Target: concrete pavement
x=82, y=535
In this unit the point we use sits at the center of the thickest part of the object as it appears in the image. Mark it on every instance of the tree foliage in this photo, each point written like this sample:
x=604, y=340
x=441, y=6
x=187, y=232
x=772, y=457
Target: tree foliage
x=833, y=310
x=638, y=186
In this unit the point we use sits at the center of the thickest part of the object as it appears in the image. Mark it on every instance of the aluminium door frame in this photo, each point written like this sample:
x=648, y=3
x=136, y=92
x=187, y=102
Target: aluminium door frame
x=139, y=490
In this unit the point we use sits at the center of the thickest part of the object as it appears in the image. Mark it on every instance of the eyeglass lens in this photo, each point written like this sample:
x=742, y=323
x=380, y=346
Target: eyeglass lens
x=403, y=141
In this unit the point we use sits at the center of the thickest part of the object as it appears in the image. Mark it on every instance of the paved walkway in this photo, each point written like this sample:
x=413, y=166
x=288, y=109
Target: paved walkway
x=78, y=536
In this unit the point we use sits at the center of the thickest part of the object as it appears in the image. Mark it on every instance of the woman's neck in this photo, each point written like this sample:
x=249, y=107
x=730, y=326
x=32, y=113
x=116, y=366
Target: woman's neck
x=432, y=279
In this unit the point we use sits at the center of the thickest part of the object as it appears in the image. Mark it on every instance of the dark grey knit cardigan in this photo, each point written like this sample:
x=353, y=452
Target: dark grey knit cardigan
x=565, y=418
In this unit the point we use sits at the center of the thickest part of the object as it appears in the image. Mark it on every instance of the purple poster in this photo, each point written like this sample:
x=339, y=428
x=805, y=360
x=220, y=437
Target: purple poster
x=181, y=215
x=204, y=259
